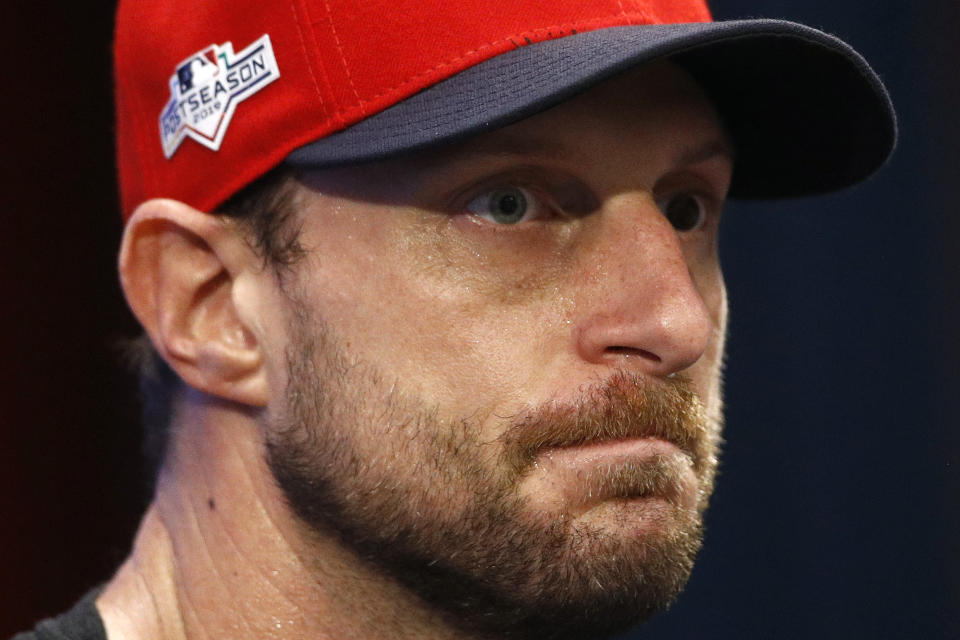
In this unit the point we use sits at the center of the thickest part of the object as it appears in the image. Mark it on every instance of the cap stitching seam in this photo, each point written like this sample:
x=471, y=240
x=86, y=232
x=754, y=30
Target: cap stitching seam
x=306, y=55
x=343, y=58
x=643, y=16
x=623, y=12
x=337, y=112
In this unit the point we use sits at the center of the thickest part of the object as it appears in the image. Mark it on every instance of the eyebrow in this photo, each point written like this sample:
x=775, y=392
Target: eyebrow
x=715, y=148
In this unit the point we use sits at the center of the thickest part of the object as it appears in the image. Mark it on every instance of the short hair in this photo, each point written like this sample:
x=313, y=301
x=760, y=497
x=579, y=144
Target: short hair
x=263, y=213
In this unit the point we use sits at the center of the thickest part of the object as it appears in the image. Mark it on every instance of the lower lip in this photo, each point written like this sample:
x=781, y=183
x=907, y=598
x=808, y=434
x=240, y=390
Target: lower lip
x=573, y=474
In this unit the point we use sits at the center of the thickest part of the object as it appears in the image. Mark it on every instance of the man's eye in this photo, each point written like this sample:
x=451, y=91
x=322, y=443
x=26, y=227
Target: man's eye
x=506, y=205
x=685, y=211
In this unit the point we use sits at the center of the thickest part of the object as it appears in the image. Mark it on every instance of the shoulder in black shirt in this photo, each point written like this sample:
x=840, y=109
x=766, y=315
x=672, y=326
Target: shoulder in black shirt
x=82, y=622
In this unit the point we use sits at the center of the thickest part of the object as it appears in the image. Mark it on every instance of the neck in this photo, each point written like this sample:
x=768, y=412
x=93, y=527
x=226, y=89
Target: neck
x=219, y=555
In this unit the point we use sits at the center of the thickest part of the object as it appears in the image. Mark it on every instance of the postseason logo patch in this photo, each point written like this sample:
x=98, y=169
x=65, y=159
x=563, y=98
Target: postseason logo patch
x=205, y=91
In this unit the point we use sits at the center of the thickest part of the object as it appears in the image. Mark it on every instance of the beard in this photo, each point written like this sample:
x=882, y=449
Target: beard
x=424, y=499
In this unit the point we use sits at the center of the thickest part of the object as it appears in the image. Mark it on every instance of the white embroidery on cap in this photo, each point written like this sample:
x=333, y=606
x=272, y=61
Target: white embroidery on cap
x=206, y=88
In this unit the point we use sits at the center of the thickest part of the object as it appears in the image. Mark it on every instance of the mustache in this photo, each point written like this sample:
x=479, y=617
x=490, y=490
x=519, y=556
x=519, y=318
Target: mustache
x=625, y=406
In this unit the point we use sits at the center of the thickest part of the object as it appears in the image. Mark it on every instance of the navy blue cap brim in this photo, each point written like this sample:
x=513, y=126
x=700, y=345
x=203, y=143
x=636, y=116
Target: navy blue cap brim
x=806, y=112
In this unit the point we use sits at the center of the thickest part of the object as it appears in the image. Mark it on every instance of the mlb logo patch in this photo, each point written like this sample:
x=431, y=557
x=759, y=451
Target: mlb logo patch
x=206, y=88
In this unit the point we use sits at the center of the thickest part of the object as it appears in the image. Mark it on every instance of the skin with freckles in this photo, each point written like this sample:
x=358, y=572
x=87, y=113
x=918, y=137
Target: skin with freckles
x=486, y=403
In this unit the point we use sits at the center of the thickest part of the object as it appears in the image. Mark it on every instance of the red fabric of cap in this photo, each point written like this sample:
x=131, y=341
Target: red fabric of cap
x=338, y=61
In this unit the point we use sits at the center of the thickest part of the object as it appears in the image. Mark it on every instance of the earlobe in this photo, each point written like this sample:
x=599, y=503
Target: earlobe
x=178, y=269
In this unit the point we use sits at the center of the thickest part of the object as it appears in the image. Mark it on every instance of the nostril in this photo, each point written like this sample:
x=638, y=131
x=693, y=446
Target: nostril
x=632, y=352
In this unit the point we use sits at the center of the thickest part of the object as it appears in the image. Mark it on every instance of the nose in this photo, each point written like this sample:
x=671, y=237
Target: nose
x=641, y=308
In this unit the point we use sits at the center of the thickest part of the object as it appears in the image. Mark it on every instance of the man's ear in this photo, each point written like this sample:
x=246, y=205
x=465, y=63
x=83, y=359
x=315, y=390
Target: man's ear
x=178, y=269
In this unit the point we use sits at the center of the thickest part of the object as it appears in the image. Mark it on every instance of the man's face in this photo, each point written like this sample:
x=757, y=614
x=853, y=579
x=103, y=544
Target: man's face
x=496, y=373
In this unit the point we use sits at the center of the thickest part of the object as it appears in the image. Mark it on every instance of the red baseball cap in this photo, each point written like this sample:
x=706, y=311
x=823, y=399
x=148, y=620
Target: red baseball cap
x=212, y=94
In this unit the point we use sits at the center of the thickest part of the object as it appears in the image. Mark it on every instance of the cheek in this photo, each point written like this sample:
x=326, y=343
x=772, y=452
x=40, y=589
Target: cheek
x=708, y=280
x=708, y=372
x=447, y=313
x=488, y=306
x=703, y=264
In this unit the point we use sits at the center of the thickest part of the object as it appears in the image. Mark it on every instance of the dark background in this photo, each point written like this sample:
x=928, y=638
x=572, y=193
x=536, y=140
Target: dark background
x=836, y=514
